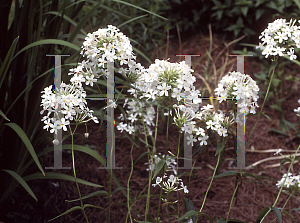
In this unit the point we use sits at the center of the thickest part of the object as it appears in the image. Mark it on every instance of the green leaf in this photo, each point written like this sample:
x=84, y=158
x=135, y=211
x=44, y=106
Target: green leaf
x=220, y=147
x=244, y=10
x=134, y=6
x=276, y=107
x=131, y=20
x=67, y=18
x=27, y=143
x=284, y=161
x=288, y=214
x=141, y=156
x=118, y=189
x=3, y=115
x=297, y=3
x=226, y=174
x=277, y=131
x=259, y=13
x=91, y=206
x=66, y=212
x=187, y=214
x=250, y=175
x=149, y=218
x=266, y=116
x=188, y=204
x=97, y=193
x=158, y=167
x=49, y=41
x=22, y=182
x=278, y=214
x=8, y=58
x=263, y=212
x=58, y=176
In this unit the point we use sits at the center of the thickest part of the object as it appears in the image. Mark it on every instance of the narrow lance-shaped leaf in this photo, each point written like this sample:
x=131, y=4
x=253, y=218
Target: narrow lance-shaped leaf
x=22, y=182
x=27, y=143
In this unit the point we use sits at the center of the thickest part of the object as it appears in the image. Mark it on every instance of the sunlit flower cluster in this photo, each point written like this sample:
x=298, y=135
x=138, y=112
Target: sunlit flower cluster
x=239, y=86
x=71, y=99
x=100, y=47
x=280, y=38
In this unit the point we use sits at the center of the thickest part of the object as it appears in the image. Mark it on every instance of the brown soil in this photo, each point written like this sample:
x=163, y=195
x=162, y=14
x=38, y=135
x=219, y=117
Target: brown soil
x=253, y=195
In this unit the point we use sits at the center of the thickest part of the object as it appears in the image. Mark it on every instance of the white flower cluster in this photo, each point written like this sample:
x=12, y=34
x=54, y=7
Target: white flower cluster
x=279, y=38
x=172, y=183
x=71, y=99
x=163, y=78
x=216, y=121
x=169, y=161
x=135, y=114
x=240, y=86
x=298, y=109
x=100, y=47
x=292, y=182
x=106, y=45
x=168, y=83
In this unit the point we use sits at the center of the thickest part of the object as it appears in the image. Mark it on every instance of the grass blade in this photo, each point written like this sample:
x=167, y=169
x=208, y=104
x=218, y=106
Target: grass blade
x=27, y=143
x=49, y=41
x=22, y=182
x=58, y=176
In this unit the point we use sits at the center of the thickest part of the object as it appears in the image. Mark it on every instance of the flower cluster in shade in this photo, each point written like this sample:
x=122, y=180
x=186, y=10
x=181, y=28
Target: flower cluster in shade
x=172, y=183
x=101, y=47
x=70, y=100
x=168, y=84
x=291, y=182
x=280, y=38
x=298, y=109
x=241, y=87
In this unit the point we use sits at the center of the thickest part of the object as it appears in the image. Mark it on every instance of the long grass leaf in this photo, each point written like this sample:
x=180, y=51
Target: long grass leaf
x=27, y=143
x=58, y=176
x=49, y=41
x=131, y=20
x=6, y=63
x=134, y=6
x=67, y=18
x=66, y=212
x=3, y=115
x=22, y=182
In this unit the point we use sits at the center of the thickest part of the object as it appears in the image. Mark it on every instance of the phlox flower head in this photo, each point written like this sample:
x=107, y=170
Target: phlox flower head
x=70, y=98
x=239, y=86
x=280, y=38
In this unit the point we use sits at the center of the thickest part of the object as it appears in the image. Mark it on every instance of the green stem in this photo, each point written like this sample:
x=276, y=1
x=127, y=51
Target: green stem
x=177, y=170
x=167, y=134
x=150, y=171
x=263, y=102
x=284, y=204
x=210, y=183
x=128, y=184
x=286, y=177
x=73, y=162
x=237, y=185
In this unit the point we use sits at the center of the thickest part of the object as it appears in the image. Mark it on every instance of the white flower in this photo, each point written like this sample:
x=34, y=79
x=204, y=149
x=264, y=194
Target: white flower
x=191, y=140
x=278, y=151
x=202, y=140
x=164, y=89
x=86, y=135
x=55, y=142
